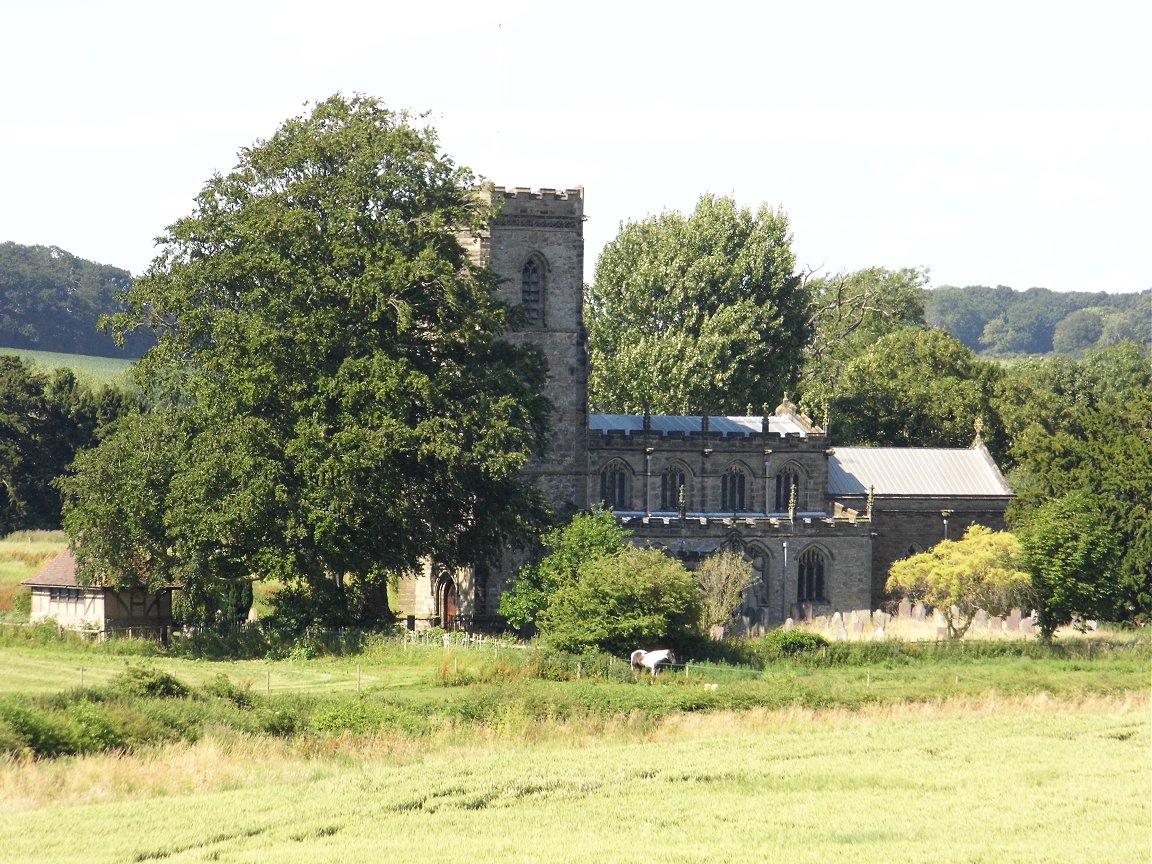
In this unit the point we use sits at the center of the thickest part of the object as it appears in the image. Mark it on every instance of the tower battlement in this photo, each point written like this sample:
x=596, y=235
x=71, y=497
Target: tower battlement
x=525, y=202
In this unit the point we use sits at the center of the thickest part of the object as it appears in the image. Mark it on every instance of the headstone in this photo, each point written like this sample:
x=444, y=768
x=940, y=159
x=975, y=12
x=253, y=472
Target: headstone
x=1012, y=623
x=919, y=613
x=841, y=634
x=789, y=624
x=1026, y=626
x=980, y=619
x=995, y=623
x=855, y=618
x=881, y=618
x=904, y=610
x=837, y=621
x=858, y=628
x=878, y=634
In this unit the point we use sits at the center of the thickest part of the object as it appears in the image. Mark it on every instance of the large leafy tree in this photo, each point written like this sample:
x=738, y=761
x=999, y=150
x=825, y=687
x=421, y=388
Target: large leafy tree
x=914, y=387
x=851, y=311
x=702, y=312
x=1081, y=438
x=334, y=398
x=1072, y=554
x=45, y=419
x=960, y=577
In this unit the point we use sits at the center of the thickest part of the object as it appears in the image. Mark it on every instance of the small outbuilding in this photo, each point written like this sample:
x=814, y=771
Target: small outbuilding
x=97, y=609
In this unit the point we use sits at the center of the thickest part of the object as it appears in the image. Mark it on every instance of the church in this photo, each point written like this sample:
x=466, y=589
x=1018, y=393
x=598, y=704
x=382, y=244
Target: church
x=821, y=524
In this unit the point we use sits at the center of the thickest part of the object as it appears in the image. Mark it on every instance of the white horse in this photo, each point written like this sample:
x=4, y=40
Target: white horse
x=652, y=660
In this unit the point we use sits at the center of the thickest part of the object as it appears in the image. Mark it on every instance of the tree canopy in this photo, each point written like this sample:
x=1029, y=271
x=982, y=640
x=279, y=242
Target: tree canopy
x=333, y=394
x=51, y=300
x=697, y=313
x=914, y=387
x=45, y=419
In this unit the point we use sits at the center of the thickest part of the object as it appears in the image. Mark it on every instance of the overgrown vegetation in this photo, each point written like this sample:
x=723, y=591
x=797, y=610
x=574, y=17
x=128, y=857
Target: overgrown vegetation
x=144, y=704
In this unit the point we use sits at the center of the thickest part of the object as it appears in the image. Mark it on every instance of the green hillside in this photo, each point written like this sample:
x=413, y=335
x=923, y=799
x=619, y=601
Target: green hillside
x=87, y=368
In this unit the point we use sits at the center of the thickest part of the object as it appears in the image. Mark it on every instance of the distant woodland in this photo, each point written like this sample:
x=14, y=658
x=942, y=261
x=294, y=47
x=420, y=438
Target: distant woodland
x=1001, y=321
x=50, y=300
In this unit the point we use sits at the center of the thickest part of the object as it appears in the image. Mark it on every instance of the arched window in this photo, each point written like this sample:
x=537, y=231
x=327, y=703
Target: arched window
x=785, y=481
x=532, y=290
x=614, y=487
x=810, y=577
x=671, y=482
x=732, y=488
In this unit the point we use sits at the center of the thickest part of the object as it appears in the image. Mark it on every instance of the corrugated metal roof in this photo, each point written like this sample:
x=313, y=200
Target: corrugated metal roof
x=914, y=471
x=663, y=424
x=60, y=572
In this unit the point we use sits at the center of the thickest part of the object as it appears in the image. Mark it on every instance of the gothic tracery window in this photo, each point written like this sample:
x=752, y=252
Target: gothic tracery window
x=810, y=576
x=614, y=487
x=532, y=290
x=733, y=485
x=671, y=482
x=786, y=480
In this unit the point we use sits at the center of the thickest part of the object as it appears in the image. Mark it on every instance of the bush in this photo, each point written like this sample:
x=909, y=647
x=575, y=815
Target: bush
x=789, y=643
x=140, y=681
x=637, y=598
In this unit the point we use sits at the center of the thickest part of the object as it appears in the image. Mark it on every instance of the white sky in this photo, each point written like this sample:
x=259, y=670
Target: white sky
x=993, y=142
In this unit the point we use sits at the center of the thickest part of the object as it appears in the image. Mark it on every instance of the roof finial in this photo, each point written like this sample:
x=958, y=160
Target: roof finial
x=871, y=498
x=792, y=503
x=978, y=425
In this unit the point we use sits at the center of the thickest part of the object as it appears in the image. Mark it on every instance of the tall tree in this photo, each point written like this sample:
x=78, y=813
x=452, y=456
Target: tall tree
x=331, y=363
x=1080, y=432
x=914, y=387
x=851, y=311
x=1072, y=554
x=697, y=313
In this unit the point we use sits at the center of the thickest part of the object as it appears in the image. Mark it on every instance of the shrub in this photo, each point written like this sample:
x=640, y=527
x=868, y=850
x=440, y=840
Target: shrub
x=141, y=681
x=789, y=643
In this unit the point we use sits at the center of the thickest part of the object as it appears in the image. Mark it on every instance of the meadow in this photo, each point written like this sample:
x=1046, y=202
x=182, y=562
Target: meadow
x=357, y=749
x=90, y=369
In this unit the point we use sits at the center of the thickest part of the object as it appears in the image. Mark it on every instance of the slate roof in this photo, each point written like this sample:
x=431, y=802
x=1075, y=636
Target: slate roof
x=915, y=471
x=663, y=424
x=60, y=572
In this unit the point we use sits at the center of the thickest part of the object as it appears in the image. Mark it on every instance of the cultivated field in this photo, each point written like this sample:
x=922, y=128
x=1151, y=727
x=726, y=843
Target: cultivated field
x=90, y=369
x=1035, y=779
x=419, y=752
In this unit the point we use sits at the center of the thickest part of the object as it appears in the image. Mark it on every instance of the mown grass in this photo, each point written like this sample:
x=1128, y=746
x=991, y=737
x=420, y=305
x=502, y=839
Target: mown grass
x=988, y=779
x=88, y=368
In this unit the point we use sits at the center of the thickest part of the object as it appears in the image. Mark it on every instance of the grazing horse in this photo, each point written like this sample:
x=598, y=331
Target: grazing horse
x=652, y=660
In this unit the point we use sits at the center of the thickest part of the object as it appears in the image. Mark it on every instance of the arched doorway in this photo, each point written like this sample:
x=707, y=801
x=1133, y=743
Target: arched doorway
x=447, y=606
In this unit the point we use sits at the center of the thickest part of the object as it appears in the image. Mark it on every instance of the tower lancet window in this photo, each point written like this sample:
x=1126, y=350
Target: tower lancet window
x=532, y=290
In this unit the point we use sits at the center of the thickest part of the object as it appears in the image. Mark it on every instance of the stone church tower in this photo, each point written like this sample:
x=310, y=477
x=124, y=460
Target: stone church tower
x=536, y=246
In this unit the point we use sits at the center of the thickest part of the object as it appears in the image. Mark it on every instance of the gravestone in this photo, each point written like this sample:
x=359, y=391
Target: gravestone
x=904, y=610
x=789, y=624
x=995, y=623
x=1026, y=626
x=878, y=635
x=980, y=620
x=1012, y=623
x=841, y=634
x=919, y=613
x=857, y=628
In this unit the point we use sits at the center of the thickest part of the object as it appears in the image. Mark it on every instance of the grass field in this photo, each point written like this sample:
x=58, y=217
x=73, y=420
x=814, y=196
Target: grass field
x=90, y=369
x=22, y=554
x=990, y=779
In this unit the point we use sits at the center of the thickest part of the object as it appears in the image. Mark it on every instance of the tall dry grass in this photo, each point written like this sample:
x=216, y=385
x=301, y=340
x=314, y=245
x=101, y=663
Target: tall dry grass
x=224, y=762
